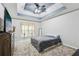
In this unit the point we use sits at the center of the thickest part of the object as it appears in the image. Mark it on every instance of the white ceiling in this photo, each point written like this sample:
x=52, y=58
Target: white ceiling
x=49, y=10
x=12, y=8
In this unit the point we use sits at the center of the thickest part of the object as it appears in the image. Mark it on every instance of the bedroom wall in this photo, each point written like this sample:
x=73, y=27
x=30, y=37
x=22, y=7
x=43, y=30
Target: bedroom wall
x=1, y=17
x=67, y=26
x=17, y=23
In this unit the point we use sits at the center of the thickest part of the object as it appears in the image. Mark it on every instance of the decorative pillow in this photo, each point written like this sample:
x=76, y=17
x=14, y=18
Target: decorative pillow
x=50, y=36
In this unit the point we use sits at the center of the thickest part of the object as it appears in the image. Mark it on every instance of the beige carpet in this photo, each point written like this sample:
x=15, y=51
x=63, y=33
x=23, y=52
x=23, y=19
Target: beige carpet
x=23, y=48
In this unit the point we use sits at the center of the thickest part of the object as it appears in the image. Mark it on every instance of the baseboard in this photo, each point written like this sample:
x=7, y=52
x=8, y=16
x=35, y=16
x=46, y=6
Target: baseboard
x=70, y=46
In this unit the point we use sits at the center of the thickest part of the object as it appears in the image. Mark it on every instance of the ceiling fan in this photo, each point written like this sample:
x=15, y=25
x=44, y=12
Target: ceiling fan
x=36, y=8
x=39, y=9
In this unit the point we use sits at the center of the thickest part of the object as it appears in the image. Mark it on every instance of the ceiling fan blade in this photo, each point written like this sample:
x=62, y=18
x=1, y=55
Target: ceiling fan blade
x=43, y=6
x=37, y=5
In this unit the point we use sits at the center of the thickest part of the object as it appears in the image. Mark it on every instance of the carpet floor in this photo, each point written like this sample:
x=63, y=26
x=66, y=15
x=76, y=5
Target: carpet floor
x=23, y=48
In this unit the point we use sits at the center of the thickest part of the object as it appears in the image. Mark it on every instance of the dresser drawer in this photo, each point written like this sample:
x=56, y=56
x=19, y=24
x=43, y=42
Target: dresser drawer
x=5, y=44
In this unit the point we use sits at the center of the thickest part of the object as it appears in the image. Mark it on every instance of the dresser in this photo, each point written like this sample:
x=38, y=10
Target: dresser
x=5, y=44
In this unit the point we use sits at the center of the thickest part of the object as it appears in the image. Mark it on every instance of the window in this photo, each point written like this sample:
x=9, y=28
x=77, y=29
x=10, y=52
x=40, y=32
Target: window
x=27, y=30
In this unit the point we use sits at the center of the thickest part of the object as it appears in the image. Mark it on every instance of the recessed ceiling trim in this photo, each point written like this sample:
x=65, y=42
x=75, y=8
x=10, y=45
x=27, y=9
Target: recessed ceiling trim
x=53, y=14
x=42, y=15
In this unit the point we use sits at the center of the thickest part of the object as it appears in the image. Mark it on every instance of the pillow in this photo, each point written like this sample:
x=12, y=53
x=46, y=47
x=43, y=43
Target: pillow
x=50, y=36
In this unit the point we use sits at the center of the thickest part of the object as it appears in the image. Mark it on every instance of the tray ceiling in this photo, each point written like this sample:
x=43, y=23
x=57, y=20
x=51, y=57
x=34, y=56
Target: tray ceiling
x=17, y=11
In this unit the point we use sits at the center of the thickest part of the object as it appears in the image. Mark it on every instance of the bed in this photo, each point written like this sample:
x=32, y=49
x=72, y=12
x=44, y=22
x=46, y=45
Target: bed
x=43, y=42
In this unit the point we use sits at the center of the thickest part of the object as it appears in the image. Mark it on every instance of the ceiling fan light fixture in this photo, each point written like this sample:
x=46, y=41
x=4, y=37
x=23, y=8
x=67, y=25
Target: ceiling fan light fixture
x=37, y=11
x=40, y=10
